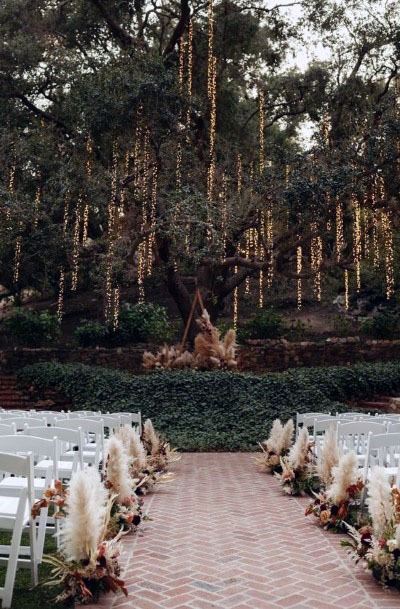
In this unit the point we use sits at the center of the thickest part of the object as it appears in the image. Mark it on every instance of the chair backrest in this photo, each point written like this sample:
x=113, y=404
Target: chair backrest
x=354, y=434
x=130, y=418
x=69, y=438
x=6, y=430
x=41, y=448
x=111, y=422
x=76, y=413
x=20, y=422
x=384, y=450
x=306, y=419
x=394, y=428
x=93, y=432
x=51, y=417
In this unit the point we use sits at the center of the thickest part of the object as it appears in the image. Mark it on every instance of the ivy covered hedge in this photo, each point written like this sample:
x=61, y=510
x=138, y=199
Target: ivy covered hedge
x=215, y=410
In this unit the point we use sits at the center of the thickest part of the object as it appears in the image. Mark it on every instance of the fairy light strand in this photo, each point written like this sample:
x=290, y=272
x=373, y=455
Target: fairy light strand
x=36, y=206
x=261, y=125
x=339, y=230
x=61, y=281
x=75, y=245
x=346, y=290
x=387, y=232
x=357, y=243
x=89, y=168
x=316, y=260
x=299, y=266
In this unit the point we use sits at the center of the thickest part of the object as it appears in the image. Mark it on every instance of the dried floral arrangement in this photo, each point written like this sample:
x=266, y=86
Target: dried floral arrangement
x=276, y=446
x=126, y=509
x=149, y=457
x=339, y=504
x=379, y=544
x=298, y=467
x=210, y=351
x=87, y=564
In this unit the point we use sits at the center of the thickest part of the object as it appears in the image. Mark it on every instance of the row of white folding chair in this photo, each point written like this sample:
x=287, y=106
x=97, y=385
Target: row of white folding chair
x=15, y=515
x=93, y=438
x=42, y=449
x=353, y=436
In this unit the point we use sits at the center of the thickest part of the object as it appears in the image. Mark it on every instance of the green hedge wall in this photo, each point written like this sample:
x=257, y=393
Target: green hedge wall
x=215, y=410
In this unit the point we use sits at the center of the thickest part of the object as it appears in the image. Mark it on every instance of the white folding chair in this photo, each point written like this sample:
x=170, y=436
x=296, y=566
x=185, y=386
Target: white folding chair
x=394, y=428
x=93, y=445
x=383, y=450
x=353, y=436
x=70, y=439
x=15, y=515
x=306, y=419
x=6, y=430
x=134, y=419
x=321, y=426
x=20, y=422
x=110, y=422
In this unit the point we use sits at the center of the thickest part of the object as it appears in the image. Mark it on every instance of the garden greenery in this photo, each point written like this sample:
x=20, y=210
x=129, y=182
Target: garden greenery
x=32, y=328
x=215, y=411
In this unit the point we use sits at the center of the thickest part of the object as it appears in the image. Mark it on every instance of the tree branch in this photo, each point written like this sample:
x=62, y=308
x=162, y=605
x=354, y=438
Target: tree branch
x=125, y=40
x=179, y=29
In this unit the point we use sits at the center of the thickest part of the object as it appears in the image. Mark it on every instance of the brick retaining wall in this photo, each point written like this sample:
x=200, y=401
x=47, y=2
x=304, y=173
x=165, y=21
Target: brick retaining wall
x=255, y=356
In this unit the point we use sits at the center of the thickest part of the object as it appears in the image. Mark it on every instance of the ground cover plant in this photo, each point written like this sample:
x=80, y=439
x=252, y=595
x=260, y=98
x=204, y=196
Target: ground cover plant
x=215, y=411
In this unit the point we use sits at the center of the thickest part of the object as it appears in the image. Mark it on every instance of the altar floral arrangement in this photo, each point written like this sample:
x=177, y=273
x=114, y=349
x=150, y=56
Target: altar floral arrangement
x=298, y=469
x=339, y=504
x=87, y=564
x=379, y=544
x=276, y=446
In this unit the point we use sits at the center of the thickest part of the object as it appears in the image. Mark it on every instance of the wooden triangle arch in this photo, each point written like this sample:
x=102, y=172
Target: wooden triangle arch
x=196, y=300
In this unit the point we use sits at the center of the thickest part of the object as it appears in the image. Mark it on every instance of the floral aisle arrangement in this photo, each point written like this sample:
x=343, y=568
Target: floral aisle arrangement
x=87, y=565
x=145, y=470
x=159, y=453
x=276, y=446
x=379, y=544
x=298, y=469
x=126, y=509
x=339, y=504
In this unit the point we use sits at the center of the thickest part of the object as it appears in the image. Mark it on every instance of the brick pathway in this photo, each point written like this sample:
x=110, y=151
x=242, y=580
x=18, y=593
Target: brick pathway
x=224, y=536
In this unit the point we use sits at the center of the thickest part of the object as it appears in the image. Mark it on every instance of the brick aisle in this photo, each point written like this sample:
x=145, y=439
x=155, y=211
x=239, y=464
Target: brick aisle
x=224, y=536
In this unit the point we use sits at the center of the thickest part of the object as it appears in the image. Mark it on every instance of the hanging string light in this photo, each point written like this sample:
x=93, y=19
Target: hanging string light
x=61, y=281
x=235, y=305
x=357, y=243
x=89, y=168
x=316, y=260
x=224, y=209
x=377, y=193
x=261, y=126
x=17, y=254
x=109, y=310
x=365, y=232
x=213, y=122
x=346, y=290
x=189, y=74
x=11, y=186
x=36, y=205
x=299, y=266
x=387, y=233
x=270, y=246
x=75, y=245
x=261, y=257
x=116, y=297
x=153, y=207
x=339, y=230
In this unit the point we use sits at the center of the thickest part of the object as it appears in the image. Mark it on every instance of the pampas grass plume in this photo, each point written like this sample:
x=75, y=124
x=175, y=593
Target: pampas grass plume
x=344, y=474
x=287, y=436
x=151, y=437
x=273, y=442
x=379, y=504
x=117, y=469
x=297, y=457
x=329, y=458
x=85, y=511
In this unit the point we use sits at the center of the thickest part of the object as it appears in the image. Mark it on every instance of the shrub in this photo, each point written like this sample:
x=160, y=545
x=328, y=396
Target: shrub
x=31, y=328
x=91, y=333
x=265, y=324
x=385, y=324
x=137, y=323
x=215, y=410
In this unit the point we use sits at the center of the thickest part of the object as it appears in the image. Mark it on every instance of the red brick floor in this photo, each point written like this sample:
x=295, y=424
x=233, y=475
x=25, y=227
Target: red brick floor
x=224, y=536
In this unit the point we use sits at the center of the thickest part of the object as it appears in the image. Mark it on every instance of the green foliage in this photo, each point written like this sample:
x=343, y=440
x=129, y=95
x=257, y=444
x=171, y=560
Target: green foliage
x=215, y=411
x=384, y=325
x=137, y=323
x=91, y=333
x=31, y=328
x=265, y=324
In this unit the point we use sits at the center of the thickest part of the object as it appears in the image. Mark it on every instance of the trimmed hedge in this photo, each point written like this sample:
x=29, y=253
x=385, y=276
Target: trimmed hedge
x=215, y=410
